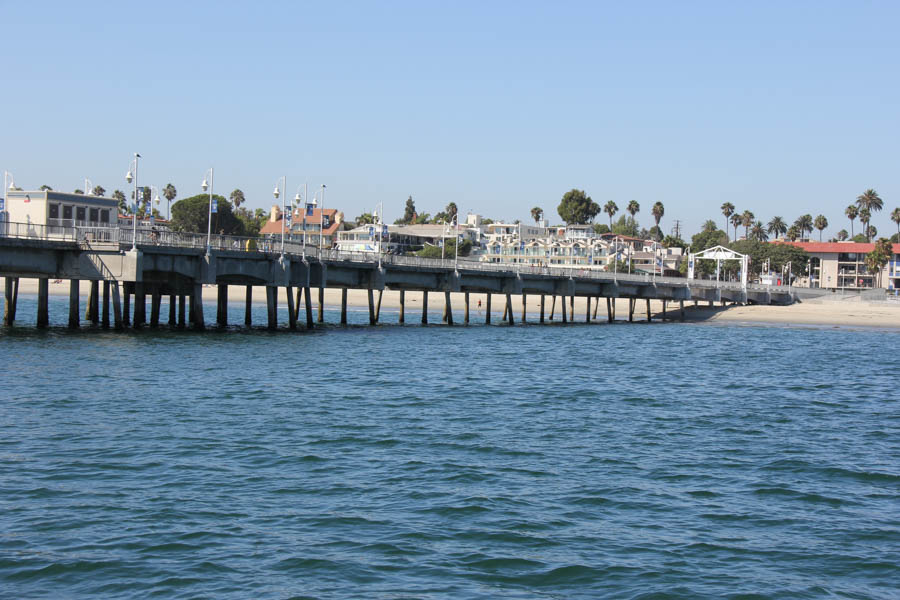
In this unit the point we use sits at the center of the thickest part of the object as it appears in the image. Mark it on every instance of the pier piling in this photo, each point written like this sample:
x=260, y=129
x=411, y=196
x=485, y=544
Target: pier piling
x=466, y=316
x=448, y=308
x=378, y=306
x=402, y=318
x=371, y=297
x=487, y=311
x=155, y=302
x=248, y=305
x=74, y=297
x=292, y=314
x=553, y=307
x=43, y=307
x=104, y=315
x=587, y=313
x=11, y=293
x=343, y=306
x=197, y=307
x=140, y=306
x=609, y=311
x=272, y=307
x=648, y=310
x=509, y=310
x=524, y=302
x=181, y=302
x=563, y=304
x=542, y=308
x=424, y=308
x=117, y=307
x=321, y=317
x=222, y=305
x=307, y=301
x=173, y=311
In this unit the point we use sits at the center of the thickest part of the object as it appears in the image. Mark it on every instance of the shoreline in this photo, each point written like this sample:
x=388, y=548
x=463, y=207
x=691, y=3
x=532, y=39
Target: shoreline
x=810, y=312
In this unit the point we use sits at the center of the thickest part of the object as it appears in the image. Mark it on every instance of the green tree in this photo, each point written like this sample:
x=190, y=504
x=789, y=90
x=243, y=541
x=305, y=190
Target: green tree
x=601, y=228
x=633, y=208
x=658, y=211
x=98, y=191
x=674, y=242
x=852, y=212
x=78, y=191
x=365, y=219
x=610, y=209
x=820, y=223
x=859, y=238
x=46, y=188
x=237, y=198
x=842, y=235
x=576, y=207
x=804, y=223
x=169, y=192
x=451, y=211
x=758, y=232
x=119, y=197
x=777, y=227
x=710, y=225
x=793, y=233
x=626, y=225
x=409, y=213
x=192, y=215
x=736, y=220
x=879, y=257
x=747, y=220
x=537, y=214
x=465, y=248
x=895, y=217
x=871, y=202
x=728, y=210
x=865, y=215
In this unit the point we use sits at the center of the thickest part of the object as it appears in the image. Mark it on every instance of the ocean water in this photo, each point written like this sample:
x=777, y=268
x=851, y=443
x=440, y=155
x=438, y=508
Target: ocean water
x=582, y=461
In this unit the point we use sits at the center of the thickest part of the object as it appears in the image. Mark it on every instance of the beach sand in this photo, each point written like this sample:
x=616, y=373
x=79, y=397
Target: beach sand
x=835, y=312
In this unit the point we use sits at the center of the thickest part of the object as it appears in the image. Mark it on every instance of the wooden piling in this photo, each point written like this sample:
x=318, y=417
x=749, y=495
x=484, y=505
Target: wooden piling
x=11, y=293
x=173, y=311
x=563, y=305
x=155, y=302
x=542, y=307
x=587, y=313
x=307, y=300
x=197, y=307
x=126, y=308
x=92, y=309
x=466, y=316
x=648, y=310
x=378, y=306
x=371, y=295
x=321, y=318
x=292, y=314
x=43, y=308
x=487, y=312
x=343, y=306
x=248, y=305
x=631, y=310
x=74, y=298
x=424, y=308
x=181, y=303
x=448, y=308
x=117, y=307
x=523, y=307
x=140, y=306
x=553, y=307
x=572, y=308
x=681, y=310
x=272, y=307
x=609, y=311
x=222, y=305
x=297, y=302
x=596, y=306
x=664, y=302
x=509, y=311
x=402, y=307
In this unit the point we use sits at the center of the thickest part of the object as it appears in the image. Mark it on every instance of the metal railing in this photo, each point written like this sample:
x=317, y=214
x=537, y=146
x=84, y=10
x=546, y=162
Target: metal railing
x=295, y=250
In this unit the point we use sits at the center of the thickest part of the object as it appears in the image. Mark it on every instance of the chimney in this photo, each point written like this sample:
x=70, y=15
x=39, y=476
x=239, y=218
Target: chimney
x=275, y=215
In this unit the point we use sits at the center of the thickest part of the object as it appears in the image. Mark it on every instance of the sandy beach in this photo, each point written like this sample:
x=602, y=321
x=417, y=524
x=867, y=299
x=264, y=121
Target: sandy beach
x=828, y=312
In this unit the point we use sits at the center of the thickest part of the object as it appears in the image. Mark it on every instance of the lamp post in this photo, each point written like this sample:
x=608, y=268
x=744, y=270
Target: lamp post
x=322, y=221
x=297, y=201
x=378, y=229
x=277, y=193
x=6, y=189
x=129, y=177
x=88, y=185
x=150, y=203
x=208, y=185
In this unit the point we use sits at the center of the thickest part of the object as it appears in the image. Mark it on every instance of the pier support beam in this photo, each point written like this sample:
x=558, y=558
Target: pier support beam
x=12, y=298
x=155, y=302
x=587, y=313
x=378, y=306
x=596, y=306
x=117, y=307
x=126, y=305
x=140, y=306
x=543, y=298
x=681, y=310
x=424, y=308
x=648, y=310
x=563, y=304
x=173, y=311
x=74, y=297
x=466, y=315
x=609, y=311
x=664, y=302
x=448, y=309
x=524, y=302
x=43, y=307
x=292, y=314
x=297, y=302
x=631, y=310
x=553, y=307
x=343, y=306
x=272, y=307
x=509, y=311
x=307, y=300
x=371, y=296
x=92, y=310
x=572, y=308
x=487, y=312
x=222, y=305
x=104, y=313
x=181, y=303
x=248, y=306
x=321, y=318
x=197, y=307
x=402, y=318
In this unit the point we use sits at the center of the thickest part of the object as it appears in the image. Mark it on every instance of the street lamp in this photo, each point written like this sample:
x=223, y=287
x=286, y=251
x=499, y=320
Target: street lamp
x=322, y=220
x=378, y=229
x=297, y=201
x=88, y=185
x=208, y=185
x=130, y=176
x=150, y=204
x=12, y=186
x=277, y=193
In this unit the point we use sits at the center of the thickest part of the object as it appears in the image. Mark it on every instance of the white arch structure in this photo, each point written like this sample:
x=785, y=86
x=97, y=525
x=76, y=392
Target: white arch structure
x=718, y=254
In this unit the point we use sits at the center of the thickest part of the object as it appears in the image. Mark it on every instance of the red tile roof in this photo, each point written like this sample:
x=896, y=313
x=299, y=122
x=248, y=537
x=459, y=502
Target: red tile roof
x=297, y=219
x=820, y=247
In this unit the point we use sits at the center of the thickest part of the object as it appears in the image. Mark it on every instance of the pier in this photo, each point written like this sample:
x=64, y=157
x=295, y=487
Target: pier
x=122, y=277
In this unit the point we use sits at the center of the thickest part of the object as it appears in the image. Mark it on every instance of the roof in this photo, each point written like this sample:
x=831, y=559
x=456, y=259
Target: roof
x=835, y=247
x=277, y=226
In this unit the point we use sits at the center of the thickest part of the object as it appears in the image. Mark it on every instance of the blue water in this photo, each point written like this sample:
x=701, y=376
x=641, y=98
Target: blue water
x=601, y=461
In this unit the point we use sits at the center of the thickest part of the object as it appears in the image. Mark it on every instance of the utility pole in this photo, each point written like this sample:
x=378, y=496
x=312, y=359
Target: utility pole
x=676, y=229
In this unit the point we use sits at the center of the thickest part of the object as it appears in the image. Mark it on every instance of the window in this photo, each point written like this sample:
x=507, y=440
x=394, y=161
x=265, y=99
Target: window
x=54, y=211
x=104, y=216
x=80, y=213
x=95, y=213
x=67, y=211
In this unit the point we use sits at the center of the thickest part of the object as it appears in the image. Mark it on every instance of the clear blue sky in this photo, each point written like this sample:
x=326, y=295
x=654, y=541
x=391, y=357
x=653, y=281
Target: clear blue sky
x=778, y=107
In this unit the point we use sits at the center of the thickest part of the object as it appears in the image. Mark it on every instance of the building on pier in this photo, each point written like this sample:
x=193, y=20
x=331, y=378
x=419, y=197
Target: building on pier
x=842, y=266
x=56, y=210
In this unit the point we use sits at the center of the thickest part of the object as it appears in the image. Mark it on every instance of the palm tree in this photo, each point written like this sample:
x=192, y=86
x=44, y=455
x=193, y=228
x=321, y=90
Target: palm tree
x=633, y=208
x=869, y=200
x=119, y=197
x=820, y=223
x=758, y=232
x=46, y=188
x=727, y=210
x=537, y=214
x=658, y=211
x=895, y=217
x=852, y=212
x=736, y=221
x=804, y=223
x=98, y=191
x=709, y=225
x=747, y=220
x=169, y=192
x=237, y=198
x=610, y=208
x=842, y=235
x=777, y=227
x=793, y=233
x=865, y=216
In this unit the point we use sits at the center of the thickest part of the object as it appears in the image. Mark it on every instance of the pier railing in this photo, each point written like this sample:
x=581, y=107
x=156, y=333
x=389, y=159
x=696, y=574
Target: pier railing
x=296, y=250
